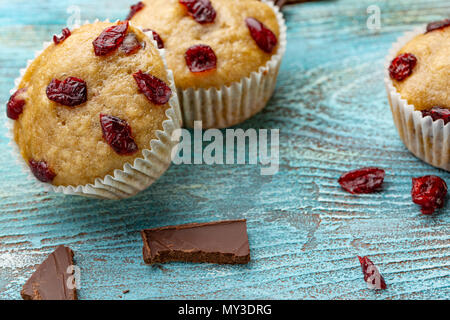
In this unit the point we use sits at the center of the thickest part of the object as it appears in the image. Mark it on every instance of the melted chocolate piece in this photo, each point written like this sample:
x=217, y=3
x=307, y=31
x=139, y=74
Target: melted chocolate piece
x=49, y=281
x=223, y=242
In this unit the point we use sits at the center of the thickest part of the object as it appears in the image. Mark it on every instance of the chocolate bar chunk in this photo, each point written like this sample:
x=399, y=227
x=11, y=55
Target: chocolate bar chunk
x=224, y=242
x=51, y=280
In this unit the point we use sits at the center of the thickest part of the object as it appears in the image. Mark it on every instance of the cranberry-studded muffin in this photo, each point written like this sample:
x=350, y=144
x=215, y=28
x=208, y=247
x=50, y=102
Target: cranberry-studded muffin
x=418, y=85
x=225, y=54
x=94, y=112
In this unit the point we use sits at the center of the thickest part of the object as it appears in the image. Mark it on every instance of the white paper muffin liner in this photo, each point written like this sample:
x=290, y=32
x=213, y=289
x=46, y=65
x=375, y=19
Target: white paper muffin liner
x=233, y=104
x=428, y=140
x=133, y=178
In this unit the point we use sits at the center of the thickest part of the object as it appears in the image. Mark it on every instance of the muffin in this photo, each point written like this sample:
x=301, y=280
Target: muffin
x=225, y=54
x=417, y=77
x=94, y=113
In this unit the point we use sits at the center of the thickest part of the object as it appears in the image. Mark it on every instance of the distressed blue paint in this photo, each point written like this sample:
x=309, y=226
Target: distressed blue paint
x=305, y=232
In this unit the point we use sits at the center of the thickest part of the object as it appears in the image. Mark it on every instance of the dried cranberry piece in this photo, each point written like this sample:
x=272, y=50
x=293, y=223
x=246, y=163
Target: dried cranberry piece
x=41, y=170
x=402, y=66
x=110, y=39
x=429, y=192
x=117, y=134
x=201, y=10
x=65, y=34
x=70, y=92
x=130, y=44
x=14, y=107
x=437, y=113
x=372, y=276
x=263, y=36
x=134, y=9
x=436, y=25
x=156, y=90
x=200, y=58
x=156, y=37
x=365, y=180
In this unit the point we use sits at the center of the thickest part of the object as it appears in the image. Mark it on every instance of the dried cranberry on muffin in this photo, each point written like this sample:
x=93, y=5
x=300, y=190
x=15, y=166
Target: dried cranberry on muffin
x=418, y=80
x=89, y=104
x=212, y=45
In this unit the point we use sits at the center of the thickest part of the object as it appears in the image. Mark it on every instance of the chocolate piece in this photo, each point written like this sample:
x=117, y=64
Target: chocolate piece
x=49, y=281
x=224, y=242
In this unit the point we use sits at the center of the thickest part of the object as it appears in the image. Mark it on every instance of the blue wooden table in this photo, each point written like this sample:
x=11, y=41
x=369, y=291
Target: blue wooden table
x=305, y=232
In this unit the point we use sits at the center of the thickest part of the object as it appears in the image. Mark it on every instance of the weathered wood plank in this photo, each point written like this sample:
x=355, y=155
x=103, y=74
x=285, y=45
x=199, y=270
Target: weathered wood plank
x=305, y=232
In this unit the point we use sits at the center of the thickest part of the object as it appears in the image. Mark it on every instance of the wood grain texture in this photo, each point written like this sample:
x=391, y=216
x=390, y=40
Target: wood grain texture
x=304, y=231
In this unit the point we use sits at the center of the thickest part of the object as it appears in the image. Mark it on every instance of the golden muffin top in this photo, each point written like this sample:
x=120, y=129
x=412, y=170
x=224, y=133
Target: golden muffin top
x=421, y=71
x=220, y=25
x=87, y=103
